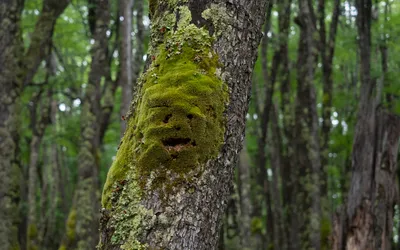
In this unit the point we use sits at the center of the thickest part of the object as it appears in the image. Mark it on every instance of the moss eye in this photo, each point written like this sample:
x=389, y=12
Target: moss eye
x=166, y=119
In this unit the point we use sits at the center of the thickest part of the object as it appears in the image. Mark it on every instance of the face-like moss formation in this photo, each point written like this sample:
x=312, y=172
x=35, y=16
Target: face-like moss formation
x=176, y=125
x=178, y=121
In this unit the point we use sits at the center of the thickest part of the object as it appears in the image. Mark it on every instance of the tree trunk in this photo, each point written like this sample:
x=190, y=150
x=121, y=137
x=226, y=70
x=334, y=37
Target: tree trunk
x=18, y=69
x=125, y=51
x=327, y=50
x=291, y=227
x=39, y=122
x=82, y=222
x=276, y=165
x=169, y=184
x=307, y=149
x=245, y=200
x=137, y=64
x=10, y=47
x=50, y=234
x=262, y=240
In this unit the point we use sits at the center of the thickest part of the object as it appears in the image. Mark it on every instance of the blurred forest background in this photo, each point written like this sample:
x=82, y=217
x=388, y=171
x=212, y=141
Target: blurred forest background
x=77, y=80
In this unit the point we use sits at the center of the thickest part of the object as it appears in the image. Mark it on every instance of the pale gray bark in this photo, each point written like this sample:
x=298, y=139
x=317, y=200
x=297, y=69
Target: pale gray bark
x=125, y=53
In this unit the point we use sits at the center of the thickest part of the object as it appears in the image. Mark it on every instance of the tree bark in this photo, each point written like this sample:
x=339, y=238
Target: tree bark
x=139, y=44
x=125, y=51
x=276, y=165
x=169, y=184
x=39, y=122
x=307, y=149
x=50, y=234
x=10, y=48
x=291, y=226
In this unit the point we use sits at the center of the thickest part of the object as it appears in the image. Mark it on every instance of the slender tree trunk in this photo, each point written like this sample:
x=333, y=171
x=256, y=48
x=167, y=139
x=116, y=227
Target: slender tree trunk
x=169, y=184
x=327, y=50
x=245, y=200
x=39, y=122
x=125, y=51
x=291, y=226
x=137, y=64
x=51, y=235
x=276, y=165
x=307, y=130
x=82, y=222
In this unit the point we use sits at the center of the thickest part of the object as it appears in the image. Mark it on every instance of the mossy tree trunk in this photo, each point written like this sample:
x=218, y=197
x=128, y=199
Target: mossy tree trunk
x=10, y=47
x=82, y=222
x=169, y=184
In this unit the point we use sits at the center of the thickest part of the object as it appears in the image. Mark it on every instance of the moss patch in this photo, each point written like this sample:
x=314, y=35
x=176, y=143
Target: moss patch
x=178, y=122
x=32, y=237
x=176, y=125
x=71, y=223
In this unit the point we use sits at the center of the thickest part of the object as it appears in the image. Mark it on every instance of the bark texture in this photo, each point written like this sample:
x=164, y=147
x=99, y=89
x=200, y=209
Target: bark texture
x=139, y=44
x=10, y=48
x=125, y=74
x=176, y=198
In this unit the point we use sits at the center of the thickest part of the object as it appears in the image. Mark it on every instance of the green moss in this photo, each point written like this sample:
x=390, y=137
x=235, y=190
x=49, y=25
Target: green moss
x=71, y=223
x=32, y=237
x=256, y=225
x=175, y=126
x=178, y=124
x=325, y=233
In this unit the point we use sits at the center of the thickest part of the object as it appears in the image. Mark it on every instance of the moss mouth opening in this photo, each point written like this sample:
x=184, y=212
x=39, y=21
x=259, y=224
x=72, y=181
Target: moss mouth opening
x=174, y=142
